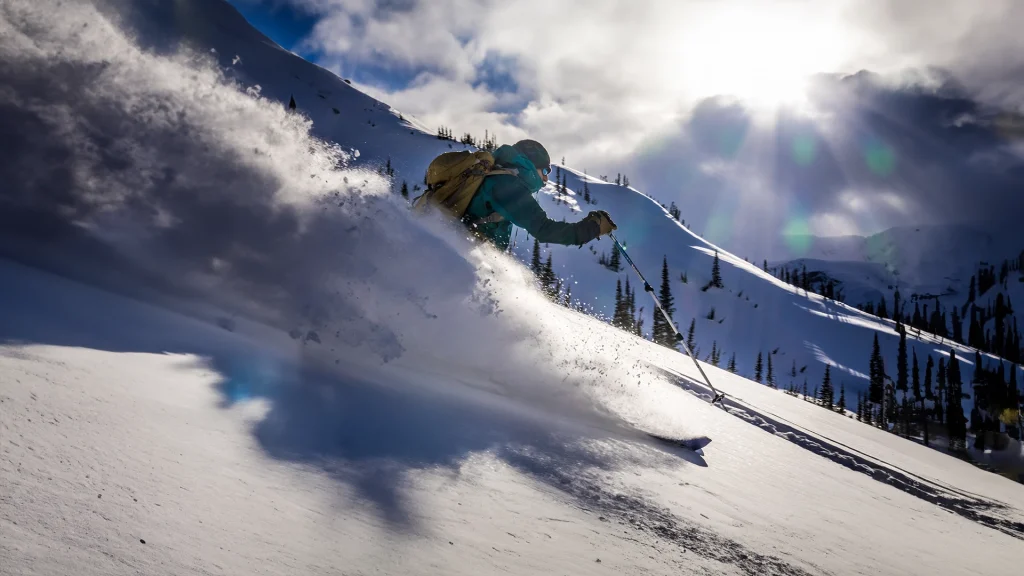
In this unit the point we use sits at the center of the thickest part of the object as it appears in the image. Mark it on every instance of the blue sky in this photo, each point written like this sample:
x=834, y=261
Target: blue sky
x=281, y=22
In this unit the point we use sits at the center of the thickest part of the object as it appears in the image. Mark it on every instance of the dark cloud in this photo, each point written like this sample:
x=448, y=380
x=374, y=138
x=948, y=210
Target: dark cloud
x=874, y=155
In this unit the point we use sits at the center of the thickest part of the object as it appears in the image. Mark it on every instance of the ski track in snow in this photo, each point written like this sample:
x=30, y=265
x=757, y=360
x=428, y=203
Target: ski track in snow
x=957, y=501
x=639, y=513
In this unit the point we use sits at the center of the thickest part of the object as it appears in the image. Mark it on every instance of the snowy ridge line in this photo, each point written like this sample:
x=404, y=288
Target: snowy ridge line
x=946, y=497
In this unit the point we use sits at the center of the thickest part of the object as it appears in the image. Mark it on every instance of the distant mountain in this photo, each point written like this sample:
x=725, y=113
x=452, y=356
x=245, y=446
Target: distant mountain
x=926, y=260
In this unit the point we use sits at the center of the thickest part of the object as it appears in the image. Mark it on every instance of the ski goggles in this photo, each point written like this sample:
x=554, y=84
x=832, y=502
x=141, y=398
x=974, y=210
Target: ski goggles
x=545, y=171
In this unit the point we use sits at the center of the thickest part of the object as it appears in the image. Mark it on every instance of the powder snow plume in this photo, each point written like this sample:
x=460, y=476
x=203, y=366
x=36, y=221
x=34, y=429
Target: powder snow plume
x=155, y=175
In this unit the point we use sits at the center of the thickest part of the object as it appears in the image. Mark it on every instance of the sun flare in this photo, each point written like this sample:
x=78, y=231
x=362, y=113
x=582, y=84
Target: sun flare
x=759, y=54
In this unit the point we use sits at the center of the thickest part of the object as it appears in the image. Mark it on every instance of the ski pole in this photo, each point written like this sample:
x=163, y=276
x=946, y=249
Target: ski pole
x=718, y=396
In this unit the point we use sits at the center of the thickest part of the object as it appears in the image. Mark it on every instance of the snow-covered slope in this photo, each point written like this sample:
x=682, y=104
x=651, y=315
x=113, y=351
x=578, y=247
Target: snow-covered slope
x=246, y=356
x=136, y=440
x=754, y=312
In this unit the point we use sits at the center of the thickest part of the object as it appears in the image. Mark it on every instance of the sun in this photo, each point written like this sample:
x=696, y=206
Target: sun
x=760, y=53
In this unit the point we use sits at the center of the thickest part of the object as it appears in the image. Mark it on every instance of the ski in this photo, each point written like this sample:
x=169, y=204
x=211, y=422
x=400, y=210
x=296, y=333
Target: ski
x=695, y=444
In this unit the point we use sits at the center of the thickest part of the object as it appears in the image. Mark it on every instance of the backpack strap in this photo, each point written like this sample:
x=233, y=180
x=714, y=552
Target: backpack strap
x=494, y=216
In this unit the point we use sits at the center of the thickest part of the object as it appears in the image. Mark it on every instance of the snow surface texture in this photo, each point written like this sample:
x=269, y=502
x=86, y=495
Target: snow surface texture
x=253, y=359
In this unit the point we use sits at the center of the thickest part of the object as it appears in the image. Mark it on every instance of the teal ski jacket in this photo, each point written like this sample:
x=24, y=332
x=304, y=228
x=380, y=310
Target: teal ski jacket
x=510, y=197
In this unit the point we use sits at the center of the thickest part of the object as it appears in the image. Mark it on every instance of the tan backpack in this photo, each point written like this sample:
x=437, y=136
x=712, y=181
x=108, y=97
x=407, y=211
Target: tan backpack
x=453, y=178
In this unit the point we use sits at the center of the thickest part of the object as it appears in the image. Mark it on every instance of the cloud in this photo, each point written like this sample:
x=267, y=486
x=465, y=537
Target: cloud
x=613, y=70
x=833, y=224
x=887, y=157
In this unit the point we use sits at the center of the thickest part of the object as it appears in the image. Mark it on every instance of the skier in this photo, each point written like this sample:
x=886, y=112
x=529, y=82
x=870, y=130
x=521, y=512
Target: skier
x=491, y=192
x=504, y=200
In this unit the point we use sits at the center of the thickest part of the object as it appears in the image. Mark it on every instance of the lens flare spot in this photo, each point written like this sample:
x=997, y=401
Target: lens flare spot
x=797, y=235
x=880, y=158
x=719, y=229
x=805, y=150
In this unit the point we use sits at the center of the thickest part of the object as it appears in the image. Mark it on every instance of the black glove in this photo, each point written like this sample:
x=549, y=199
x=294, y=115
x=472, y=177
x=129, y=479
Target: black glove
x=603, y=221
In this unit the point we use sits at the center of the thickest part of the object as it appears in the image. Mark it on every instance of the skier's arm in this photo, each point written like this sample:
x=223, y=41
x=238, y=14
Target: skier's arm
x=515, y=203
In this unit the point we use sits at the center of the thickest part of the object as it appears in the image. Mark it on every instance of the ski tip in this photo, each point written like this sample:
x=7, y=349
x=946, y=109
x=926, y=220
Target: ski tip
x=694, y=443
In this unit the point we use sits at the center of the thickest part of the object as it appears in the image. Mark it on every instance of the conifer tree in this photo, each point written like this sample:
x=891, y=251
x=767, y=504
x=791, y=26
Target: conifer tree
x=979, y=382
x=663, y=330
x=547, y=278
x=586, y=188
x=929, y=365
x=535, y=261
x=758, y=367
x=916, y=378
x=630, y=297
x=827, y=395
x=901, y=363
x=876, y=374
x=940, y=387
x=714, y=353
x=896, y=312
x=860, y=407
x=405, y=190
x=617, y=311
x=771, y=373
x=716, y=273
x=691, y=341
x=805, y=388
x=291, y=102
x=955, y=421
x=842, y=397
x=732, y=363
x=974, y=336
x=614, y=262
